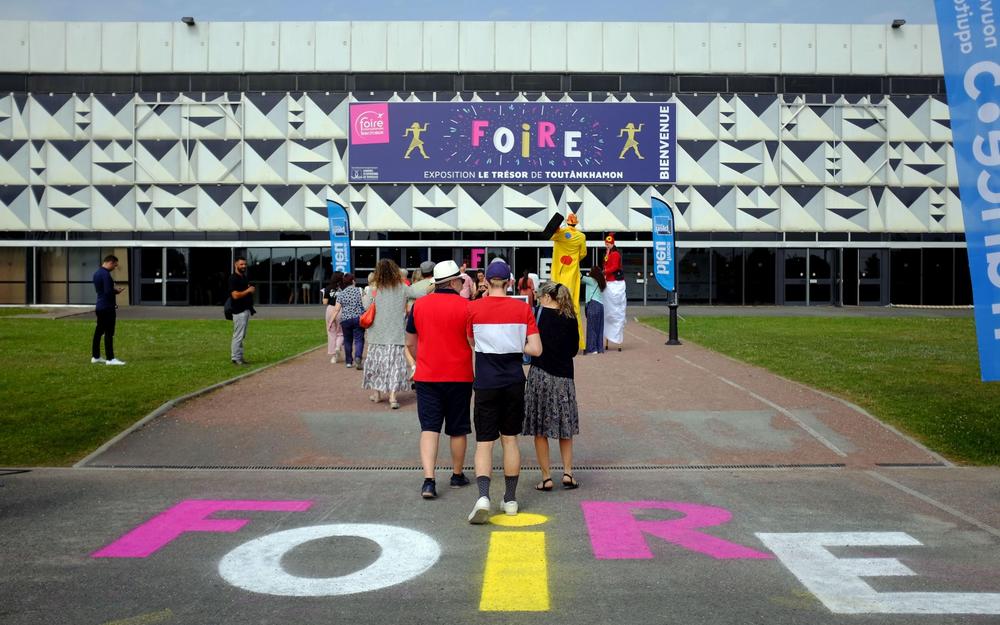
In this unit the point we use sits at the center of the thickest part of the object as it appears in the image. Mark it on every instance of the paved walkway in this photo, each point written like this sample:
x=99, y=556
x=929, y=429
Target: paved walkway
x=711, y=492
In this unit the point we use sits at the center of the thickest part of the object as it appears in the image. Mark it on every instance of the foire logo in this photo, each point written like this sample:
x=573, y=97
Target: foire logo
x=369, y=123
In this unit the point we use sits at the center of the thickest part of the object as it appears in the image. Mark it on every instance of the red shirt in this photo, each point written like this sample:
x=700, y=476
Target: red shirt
x=612, y=264
x=443, y=353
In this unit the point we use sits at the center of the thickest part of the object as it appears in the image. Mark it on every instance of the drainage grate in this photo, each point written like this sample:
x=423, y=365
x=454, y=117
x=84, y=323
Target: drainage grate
x=630, y=467
x=909, y=464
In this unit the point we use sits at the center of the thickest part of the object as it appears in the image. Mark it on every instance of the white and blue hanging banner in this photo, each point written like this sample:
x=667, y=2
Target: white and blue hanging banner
x=664, y=246
x=969, y=45
x=340, y=236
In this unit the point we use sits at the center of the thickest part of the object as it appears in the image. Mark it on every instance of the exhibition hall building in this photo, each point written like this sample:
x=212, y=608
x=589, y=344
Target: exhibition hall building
x=805, y=164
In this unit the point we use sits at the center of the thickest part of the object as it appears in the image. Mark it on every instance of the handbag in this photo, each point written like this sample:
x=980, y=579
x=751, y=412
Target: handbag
x=227, y=309
x=368, y=317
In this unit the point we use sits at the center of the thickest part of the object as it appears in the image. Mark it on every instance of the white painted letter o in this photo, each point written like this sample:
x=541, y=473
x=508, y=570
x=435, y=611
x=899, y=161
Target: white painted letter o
x=256, y=565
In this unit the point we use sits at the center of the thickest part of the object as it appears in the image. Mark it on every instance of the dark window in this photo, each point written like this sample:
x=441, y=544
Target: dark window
x=537, y=82
x=693, y=275
x=800, y=236
x=322, y=82
x=808, y=84
x=645, y=82
x=753, y=84
x=164, y=82
x=430, y=82
x=56, y=83
x=708, y=84
x=595, y=82
x=379, y=82
x=271, y=82
x=938, y=276
x=857, y=84
x=486, y=82
x=110, y=83
x=963, y=283
x=904, y=269
x=727, y=276
x=833, y=236
x=913, y=85
x=217, y=82
x=13, y=82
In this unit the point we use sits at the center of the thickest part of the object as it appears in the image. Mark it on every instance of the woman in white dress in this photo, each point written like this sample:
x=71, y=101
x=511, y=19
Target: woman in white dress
x=614, y=295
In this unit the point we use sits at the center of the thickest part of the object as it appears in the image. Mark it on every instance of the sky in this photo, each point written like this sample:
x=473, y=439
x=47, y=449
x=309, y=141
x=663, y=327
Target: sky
x=801, y=11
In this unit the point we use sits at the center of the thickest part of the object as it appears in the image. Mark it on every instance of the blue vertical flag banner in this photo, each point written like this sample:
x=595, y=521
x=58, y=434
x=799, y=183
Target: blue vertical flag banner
x=971, y=55
x=340, y=236
x=664, y=246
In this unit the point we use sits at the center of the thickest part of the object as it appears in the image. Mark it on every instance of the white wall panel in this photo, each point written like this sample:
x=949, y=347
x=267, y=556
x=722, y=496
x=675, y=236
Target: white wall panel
x=191, y=47
x=120, y=47
x=584, y=45
x=691, y=52
x=333, y=46
x=868, y=49
x=404, y=46
x=513, y=46
x=225, y=47
x=368, y=46
x=833, y=48
x=83, y=47
x=156, y=52
x=656, y=47
x=14, y=38
x=476, y=46
x=933, y=64
x=297, y=47
x=440, y=46
x=47, y=42
x=798, y=48
x=260, y=47
x=904, y=54
x=727, y=49
x=621, y=47
x=548, y=46
x=763, y=49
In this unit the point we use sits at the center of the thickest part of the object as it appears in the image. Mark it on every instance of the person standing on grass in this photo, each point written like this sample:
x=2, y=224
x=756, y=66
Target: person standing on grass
x=594, y=285
x=550, y=409
x=386, y=368
x=105, y=309
x=348, y=309
x=334, y=333
x=436, y=332
x=242, y=292
x=501, y=329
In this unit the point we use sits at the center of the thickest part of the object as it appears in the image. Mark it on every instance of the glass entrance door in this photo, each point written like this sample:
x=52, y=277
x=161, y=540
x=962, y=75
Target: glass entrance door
x=796, y=268
x=163, y=276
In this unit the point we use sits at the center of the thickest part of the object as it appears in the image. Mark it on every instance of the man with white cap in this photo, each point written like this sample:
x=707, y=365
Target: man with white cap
x=436, y=331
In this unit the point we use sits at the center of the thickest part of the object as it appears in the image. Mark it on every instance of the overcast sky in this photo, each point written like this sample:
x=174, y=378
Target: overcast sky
x=808, y=11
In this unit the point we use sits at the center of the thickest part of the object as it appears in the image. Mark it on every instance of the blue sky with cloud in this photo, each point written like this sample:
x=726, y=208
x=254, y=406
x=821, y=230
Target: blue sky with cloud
x=803, y=11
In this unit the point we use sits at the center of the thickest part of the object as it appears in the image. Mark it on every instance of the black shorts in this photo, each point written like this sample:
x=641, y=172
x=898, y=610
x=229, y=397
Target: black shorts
x=444, y=403
x=499, y=411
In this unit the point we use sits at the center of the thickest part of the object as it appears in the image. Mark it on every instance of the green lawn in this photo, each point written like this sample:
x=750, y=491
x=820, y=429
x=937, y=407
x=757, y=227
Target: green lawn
x=10, y=312
x=57, y=407
x=918, y=374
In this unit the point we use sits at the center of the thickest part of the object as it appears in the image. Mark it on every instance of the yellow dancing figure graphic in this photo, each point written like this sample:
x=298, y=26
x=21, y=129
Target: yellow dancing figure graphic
x=416, y=129
x=630, y=141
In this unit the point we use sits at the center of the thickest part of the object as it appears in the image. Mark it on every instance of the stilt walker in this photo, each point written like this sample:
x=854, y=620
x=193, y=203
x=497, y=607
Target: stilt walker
x=569, y=247
x=614, y=295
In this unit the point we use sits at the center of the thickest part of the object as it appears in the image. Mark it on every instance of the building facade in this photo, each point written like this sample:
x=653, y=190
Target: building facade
x=814, y=163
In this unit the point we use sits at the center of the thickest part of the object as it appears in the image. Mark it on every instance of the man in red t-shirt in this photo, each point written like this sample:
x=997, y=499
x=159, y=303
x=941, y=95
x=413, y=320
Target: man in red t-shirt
x=501, y=329
x=436, y=331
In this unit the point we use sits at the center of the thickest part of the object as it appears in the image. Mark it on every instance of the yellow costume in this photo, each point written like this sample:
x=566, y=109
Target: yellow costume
x=569, y=247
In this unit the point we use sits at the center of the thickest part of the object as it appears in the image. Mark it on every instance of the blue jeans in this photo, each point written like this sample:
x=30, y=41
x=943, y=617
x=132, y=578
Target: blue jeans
x=595, y=327
x=354, y=339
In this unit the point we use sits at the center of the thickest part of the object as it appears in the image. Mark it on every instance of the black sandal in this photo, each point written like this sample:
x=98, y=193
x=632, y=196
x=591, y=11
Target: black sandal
x=571, y=484
x=542, y=485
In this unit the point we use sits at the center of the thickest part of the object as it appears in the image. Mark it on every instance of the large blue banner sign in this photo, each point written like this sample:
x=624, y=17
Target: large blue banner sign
x=499, y=142
x=340, y=236
x=972, y=77
x=664, y=247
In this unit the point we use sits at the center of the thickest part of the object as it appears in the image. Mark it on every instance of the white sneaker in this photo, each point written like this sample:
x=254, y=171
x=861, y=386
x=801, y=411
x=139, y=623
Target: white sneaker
x=333, y=359
x=97, y=361
x=510, y=508
x=115, y=362
x=481, y=512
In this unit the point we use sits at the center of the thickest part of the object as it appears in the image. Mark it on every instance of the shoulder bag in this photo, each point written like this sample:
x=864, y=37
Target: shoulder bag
x=368, y=317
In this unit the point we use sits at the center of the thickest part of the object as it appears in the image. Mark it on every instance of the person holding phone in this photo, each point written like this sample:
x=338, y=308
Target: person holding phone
x=106, y=313
x=242, y=292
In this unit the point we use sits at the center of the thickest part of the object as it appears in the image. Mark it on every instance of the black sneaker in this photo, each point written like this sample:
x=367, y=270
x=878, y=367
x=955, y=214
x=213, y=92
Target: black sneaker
x=459, y=480
x=428, y=490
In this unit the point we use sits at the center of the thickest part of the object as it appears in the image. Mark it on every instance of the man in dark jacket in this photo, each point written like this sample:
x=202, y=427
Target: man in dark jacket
x=242, y=294
x=104, y=284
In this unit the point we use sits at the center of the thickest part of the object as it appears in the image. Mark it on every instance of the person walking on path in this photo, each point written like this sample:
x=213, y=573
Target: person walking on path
x=421, y=286
x=594, y=285
x=501, y=329
x=334, y=333
x=550, y=409
x=348, y=309
x=613, y=297
x=241, y=291
x=106, y=313
x=436, y=332
x=386, y=368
